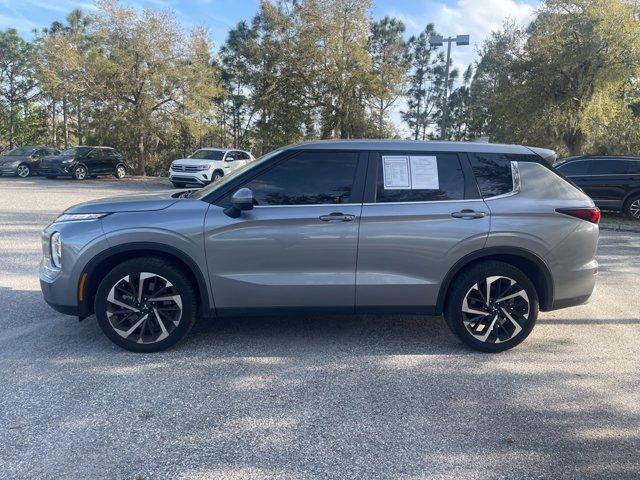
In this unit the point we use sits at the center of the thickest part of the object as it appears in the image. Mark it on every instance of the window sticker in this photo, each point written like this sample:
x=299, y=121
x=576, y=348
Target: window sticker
x=424, y=173
x=410, y=172
x=396, y=173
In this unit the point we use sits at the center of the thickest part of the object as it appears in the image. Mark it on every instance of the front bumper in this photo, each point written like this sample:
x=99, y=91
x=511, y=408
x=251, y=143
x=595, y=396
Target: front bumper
x=199, y=178
x=53, y=288
x=58, y=169
x=8, y=169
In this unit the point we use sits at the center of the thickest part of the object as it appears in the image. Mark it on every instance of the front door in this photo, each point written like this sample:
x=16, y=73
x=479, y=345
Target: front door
x=298, y=246
x=421, y=214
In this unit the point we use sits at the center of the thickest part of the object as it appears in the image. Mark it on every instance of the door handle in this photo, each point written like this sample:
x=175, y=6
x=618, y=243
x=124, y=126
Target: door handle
x=468, y=214
x=336, y=217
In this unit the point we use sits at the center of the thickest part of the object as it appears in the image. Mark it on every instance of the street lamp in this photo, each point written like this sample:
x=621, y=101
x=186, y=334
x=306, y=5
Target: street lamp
x=438, y=41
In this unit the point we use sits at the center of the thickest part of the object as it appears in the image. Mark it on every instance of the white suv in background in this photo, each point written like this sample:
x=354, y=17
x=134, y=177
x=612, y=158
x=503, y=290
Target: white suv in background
x=207, y=165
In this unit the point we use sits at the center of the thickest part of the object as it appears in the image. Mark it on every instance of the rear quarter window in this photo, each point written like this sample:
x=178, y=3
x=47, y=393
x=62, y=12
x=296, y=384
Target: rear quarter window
x=493, y=173
x=571, y=169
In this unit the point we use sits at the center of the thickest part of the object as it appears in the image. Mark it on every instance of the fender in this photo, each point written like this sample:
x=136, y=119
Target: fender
x=85, y=308
x=546, y=297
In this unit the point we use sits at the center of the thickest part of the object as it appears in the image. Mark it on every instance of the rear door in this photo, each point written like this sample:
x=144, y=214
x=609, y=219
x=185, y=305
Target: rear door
x=94, y=161
x=422, y=213
x=607, y=181
x=298, y=246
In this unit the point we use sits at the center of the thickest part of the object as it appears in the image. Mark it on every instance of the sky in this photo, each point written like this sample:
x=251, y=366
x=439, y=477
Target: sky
x=477, y=18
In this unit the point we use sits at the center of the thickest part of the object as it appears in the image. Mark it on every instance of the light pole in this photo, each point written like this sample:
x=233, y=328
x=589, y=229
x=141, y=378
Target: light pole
x=438, y=41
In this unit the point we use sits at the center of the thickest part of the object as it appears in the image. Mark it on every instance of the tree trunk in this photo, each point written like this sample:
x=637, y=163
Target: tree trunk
x=11, y=126
x=79, y=115
x=54, y=126
x=142, y=167
x=65, y=121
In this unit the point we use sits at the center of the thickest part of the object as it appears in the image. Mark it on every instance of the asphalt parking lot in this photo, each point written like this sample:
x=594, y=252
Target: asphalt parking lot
x=310, y=398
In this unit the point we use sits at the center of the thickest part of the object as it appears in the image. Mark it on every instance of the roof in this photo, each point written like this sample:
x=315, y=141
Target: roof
x=417, y=145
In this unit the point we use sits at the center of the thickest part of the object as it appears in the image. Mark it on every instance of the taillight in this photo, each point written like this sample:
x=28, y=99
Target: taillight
x=590, y=214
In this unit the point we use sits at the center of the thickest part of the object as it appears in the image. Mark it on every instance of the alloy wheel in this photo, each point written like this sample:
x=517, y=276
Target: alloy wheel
x=144, y=307
x=634, y=209
x=23, y=171
x=496, y=309
x=120, y=171
x=81, y=173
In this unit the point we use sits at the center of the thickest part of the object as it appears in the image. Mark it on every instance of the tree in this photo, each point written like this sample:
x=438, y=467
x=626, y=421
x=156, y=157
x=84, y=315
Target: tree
x=389, y=63
x=17, y=78
x=139, y=75
x=537, y=85
x=422, y=94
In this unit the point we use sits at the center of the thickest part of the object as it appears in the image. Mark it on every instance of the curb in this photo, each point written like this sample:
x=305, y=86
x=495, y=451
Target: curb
x=620, y=228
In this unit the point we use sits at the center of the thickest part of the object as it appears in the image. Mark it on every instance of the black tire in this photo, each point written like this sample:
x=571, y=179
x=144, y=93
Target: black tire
x=120, y=172
x=632, y=207
x=23, y=170
x=179, y=185
x=80, y=172
x=51, y=177
x=464, y=285
x=163, y=269
x=217, y=175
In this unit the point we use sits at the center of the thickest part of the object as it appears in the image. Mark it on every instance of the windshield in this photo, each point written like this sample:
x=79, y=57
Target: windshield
x=208, y=155
x=21, y=152
x=203, y=192
x=75, y=151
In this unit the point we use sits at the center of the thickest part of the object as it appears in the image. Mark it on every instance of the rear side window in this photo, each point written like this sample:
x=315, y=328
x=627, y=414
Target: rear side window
x=609, y=167
x=309, y=178
x=572, y=169
x=493, y=173
x=411, y=172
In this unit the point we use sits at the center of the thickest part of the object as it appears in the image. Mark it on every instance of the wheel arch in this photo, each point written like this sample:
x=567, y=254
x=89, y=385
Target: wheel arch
x=629, y=196
x=101, y=264
x=531, y=264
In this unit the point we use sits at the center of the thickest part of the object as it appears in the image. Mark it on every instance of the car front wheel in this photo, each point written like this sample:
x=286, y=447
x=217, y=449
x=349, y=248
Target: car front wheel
x=492, y=306
x=80, y=172
x=121, y=171
x=146, y=305
x=23, y=170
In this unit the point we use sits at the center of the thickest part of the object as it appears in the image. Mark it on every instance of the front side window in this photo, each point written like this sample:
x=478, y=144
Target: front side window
x=493, y=173
x=609, y=167
x=419, y=177
x=75, y=152
x=309, y=178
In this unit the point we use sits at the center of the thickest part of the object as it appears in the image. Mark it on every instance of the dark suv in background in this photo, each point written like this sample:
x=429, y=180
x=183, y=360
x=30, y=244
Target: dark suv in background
x=612, y=182
x=82, y=162
x=24, y=161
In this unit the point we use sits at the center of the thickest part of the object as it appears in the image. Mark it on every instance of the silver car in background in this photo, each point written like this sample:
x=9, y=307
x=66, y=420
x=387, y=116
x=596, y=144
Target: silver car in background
x=486, y=234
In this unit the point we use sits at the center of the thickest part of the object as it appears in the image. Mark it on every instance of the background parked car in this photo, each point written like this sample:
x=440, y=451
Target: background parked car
x=612, y=182
x=24, y=161
x=207, y=165
x=83, y=161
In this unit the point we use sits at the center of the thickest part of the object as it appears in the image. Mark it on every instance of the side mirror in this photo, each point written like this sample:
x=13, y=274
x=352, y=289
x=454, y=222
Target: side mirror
x=240, y=201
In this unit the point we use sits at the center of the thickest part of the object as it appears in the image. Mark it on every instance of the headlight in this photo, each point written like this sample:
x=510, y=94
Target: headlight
x=76, y=217
x=56, y=250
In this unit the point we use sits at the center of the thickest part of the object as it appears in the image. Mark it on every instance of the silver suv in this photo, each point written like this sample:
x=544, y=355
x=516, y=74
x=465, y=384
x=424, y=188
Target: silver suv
x=486, y=234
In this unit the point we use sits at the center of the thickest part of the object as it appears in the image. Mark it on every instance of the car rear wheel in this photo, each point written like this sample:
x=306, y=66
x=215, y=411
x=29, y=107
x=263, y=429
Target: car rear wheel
x=23, y=170
x=492, y=306
x=146, y=305
x=632, y=208
x=80, y=172
x=121, y=171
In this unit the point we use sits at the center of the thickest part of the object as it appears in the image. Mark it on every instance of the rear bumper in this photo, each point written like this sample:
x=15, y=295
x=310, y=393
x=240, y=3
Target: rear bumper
x=8, y=170
x=575, y=287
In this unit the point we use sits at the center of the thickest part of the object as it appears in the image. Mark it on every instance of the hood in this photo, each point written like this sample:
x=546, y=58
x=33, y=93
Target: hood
x=130, y=203
x=193, y=161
